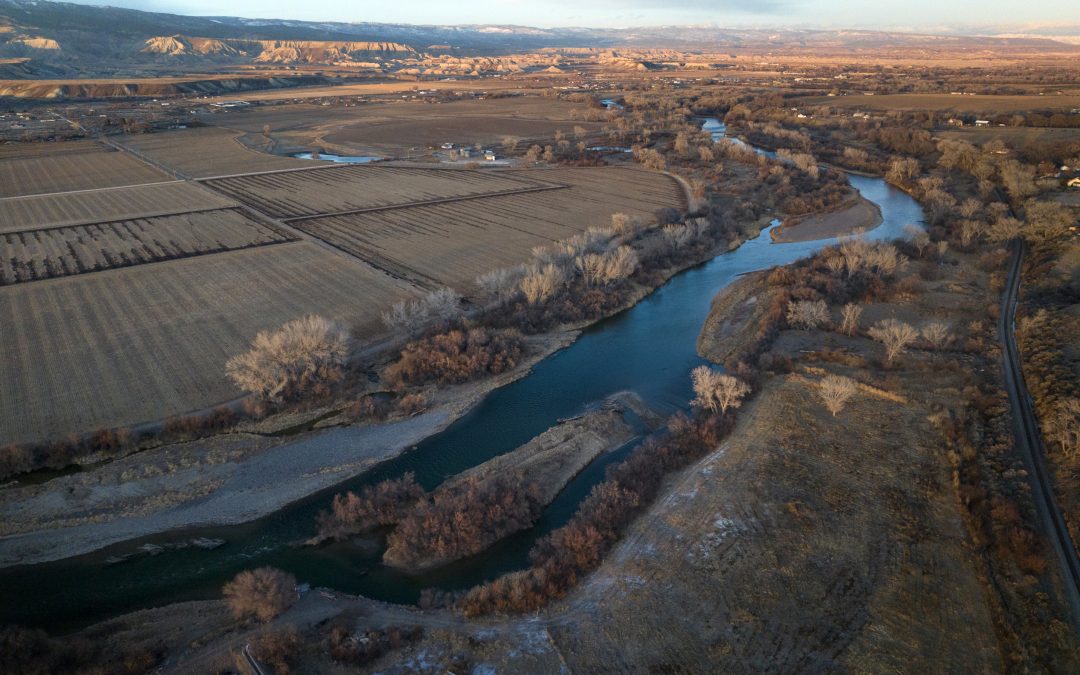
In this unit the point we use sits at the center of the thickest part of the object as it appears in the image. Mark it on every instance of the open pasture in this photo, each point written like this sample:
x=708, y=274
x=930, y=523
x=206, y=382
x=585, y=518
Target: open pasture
x=207, y=151
x=73, y=208
x=33, y=255
x=67, y=171
x=352, y=187
x=130, y=345
x=452, y=243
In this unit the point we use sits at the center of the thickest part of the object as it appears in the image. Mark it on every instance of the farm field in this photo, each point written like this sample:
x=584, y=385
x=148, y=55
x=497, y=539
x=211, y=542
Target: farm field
x=970, y=104
x=32, y=255
x=350, y=187
x=396, y=128
x=1014, y=136
x=126, y=346
x=63, y=172
x=25, y=150
x=206, y=152
x=71, y=208
x=452, y=243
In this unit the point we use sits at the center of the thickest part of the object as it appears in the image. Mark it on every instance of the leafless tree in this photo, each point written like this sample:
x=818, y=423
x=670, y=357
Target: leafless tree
x=917, y=236
x=717, y=392
x=678, y=235
x=261, y=593
x=807, y=314
x=937, y=334
x=849, y=318
x=1063, y=425
x=902, y=170
x=542, y=285
x=500, y=285
x=443, y=304
x=895, y=335
x=305, y=352
x=835, y=391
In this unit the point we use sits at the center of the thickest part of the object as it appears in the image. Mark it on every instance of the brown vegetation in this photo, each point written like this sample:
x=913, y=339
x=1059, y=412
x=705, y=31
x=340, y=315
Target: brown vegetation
x=305, y=355
x=458, y=355
x=260, y=594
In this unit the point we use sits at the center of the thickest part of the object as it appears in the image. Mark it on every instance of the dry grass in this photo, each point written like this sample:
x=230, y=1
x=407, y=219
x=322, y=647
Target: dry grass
x=63, y=251
x=205, y=152
x=61, y=172
x=745, y=568
x=862, y=215
x=131, y=345
x=72, y=208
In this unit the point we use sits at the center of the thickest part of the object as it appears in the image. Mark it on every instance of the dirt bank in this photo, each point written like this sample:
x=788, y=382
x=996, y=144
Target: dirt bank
x=738, y=316
x=224, y=480
x=862, y=215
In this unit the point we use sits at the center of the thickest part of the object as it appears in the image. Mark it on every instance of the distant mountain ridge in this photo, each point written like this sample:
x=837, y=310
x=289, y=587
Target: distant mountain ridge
x=83, y=40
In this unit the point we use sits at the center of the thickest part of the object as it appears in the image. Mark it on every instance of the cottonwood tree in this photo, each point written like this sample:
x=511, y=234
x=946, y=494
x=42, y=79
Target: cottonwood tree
x=306, y=352
x=902, y=170
x=542, y=285
x=849, y=318
x=835, y=391
x=717, y=392
x=1063, y=425
x=499, y=285
x=895, y=335
x=807, y=314
x=261, y=593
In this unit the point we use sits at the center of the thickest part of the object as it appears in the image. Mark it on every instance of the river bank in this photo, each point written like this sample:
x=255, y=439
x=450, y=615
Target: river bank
x=227, y=479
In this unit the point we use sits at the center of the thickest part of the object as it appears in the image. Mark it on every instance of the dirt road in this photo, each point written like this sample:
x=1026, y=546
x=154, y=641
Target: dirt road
x=1030, y=443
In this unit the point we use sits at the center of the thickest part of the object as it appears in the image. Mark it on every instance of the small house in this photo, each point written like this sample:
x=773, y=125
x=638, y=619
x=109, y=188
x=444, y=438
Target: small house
x=490, y=155
x=447, y=146
x=982, y=123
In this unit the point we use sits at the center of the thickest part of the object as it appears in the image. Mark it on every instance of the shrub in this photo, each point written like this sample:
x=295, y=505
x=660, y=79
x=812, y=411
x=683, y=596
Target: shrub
x=937, y=334
x=385, y=503
x=281, y=364
x=261, y=593
x=807, y=314
x=277, y=649
x=456, y=356
x=463, y=520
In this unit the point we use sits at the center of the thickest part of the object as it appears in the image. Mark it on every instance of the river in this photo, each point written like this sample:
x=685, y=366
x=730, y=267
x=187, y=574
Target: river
x=649, y=349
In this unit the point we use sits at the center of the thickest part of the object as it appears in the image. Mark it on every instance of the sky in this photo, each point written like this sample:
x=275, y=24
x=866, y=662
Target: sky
x=928, y=15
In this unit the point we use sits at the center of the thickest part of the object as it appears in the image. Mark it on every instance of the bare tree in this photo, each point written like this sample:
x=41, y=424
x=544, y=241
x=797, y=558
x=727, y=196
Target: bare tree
x=918, y=237
x=1063, y=425
x=542, y=285
x=443, y=304
x=716, y=391
x=306, y=352
x=510, y=143
x=937, y=334
x=895, y=335
x=849, y=318
x=835, y=391
x=500, y=285
x=677, y=235
x=261, y=593
x=807, y=314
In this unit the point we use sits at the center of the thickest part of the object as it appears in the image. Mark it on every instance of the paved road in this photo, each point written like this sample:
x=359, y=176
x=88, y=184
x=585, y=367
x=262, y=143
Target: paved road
x=1030, y=443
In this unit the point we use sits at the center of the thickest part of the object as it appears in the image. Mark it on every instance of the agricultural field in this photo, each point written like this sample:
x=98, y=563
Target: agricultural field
x=352, y=187
x=128, y=345
x=207, y=151
x=396, y=129
x=944, y=102
x=1014, y=136
x=67, y=171
x=73, y=208
x=32, y=255
x=452, y=243
x=395, y=137
x=27, y=150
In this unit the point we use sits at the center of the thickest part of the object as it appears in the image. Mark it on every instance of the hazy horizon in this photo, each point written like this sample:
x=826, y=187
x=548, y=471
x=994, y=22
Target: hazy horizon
x=968, y=16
